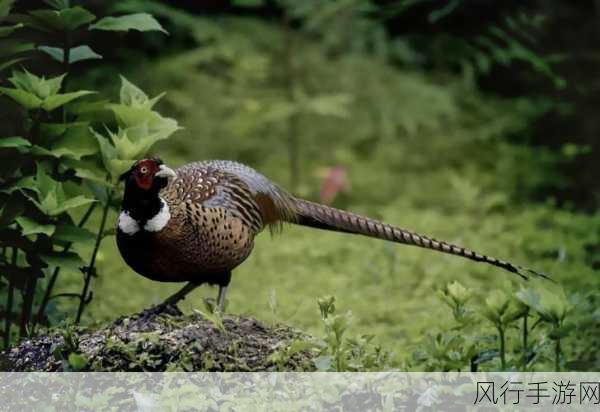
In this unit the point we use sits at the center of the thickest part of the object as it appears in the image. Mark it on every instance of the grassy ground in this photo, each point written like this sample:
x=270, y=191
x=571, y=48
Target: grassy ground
x=390, y=289
x=424, y=152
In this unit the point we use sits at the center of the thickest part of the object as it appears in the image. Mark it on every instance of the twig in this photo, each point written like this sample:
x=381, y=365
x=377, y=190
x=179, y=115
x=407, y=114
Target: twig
x=52, y=281
x=83, y=299
x=27, y=305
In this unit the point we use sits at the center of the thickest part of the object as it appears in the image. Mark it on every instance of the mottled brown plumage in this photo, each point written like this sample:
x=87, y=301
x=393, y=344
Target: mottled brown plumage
x=199, y=223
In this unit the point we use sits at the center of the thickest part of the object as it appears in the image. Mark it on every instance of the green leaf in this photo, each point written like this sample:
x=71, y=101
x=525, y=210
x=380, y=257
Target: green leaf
x=66, y=261
x=76, y=54
x=55, y=52
x=31, y=227
x=113, y=165
x=87, y=171
x=59, y=100
x=131, y=95
x=14, y=142
x=39, y=86
x=75, y=142
x=51, y=197
x=76, y=201
x=6, y=30
x=66, y=19
x=73, y=234
x=137, y=21
x=28, y=100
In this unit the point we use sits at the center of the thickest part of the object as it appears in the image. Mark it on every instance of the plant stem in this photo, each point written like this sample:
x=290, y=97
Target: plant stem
x=473, y=364
x=52, y=281
x=8, y=316
x=27, y=305
x=9, y=304
x=83, y=300
x=502, y=348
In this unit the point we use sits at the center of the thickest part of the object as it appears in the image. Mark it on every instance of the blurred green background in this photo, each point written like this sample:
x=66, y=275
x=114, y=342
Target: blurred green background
x=469, y=121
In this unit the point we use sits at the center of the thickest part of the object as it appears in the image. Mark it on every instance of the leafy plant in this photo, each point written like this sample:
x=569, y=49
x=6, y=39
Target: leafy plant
x=340, y=353
x=59, y=167
x=545, y=305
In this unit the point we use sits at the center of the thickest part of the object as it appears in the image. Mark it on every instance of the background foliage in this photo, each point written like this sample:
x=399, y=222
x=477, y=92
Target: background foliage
x=452, y=129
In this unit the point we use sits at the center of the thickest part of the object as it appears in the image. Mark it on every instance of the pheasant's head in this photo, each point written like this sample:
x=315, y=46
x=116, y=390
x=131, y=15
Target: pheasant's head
x=147, y=174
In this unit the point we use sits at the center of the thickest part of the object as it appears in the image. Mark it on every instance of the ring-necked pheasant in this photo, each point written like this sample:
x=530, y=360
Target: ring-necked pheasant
x=198, y=223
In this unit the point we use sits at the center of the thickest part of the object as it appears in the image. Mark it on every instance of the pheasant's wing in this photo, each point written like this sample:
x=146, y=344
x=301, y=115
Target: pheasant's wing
x=238, y=189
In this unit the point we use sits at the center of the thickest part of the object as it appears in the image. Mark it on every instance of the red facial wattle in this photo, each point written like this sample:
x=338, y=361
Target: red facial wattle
x=144, y=173
x=144, y=181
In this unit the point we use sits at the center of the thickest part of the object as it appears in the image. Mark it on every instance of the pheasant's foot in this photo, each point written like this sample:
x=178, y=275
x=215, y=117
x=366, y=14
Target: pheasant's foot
x=162, y=308
x=221, y=299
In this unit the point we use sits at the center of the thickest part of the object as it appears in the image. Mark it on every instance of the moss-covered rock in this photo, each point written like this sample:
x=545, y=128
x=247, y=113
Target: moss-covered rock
x=163, y=340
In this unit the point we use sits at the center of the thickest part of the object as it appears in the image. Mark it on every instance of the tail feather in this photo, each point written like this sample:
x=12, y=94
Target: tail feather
x=328, y=218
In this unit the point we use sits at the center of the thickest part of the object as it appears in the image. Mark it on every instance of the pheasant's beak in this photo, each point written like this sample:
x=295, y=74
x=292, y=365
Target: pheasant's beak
x=164, y=171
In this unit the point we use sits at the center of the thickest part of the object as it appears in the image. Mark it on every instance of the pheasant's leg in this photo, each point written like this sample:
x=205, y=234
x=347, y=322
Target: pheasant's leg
x=180, y=294
x=221, y=298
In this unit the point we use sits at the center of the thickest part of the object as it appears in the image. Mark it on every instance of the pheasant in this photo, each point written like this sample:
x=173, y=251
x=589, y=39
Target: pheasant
x=198, y=223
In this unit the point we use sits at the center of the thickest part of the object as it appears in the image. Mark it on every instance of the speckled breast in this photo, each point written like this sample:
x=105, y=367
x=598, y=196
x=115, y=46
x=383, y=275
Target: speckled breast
x=195, y=250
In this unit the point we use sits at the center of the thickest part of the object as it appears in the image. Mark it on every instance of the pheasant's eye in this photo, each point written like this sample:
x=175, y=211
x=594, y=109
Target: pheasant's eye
x=144, y=169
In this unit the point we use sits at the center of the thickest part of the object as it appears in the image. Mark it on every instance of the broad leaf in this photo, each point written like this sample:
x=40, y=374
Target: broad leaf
x=131, y=95
x=28, y=100
x=137, y=21
x=73, y=234
x=23, y=183
x=76, y=54
x=14, y=142
x=76, y=142
x=87, y=168
x=51, y=197
x=59, y=100
x=31, y=227
x=71, y=203
x=39, y=86
x=66, y=19
x=115, y=166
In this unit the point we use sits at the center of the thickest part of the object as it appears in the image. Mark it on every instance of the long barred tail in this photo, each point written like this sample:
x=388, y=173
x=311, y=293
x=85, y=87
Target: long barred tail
x=328, y=218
